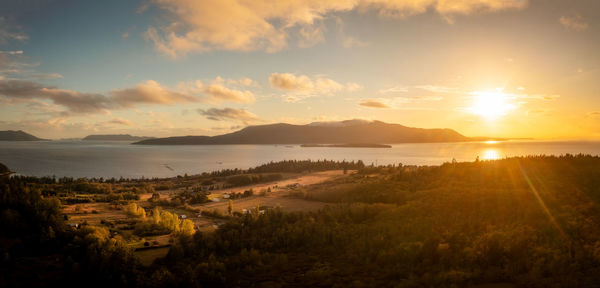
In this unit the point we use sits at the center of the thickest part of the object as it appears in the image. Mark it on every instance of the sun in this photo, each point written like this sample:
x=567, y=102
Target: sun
x=491, y=104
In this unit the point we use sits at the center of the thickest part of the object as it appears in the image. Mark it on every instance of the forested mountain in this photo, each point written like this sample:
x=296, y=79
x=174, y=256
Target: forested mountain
x=11, y=135
x=116, y=137
x=351, y=131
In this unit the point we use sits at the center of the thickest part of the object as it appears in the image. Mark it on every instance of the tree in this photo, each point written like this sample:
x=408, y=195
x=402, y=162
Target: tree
x=135, y=211
x=187, y=228
x=230, y=207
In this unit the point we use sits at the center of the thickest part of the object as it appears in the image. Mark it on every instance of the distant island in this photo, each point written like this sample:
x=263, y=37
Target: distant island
x=349, y=131
x=355, y=145
x=20, y=135
x=116, y=137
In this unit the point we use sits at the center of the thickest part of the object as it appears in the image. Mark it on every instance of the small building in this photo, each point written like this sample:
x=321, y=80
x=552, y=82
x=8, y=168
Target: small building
x=182, y=216
x=226, y=196
x=74, y=225
x=245, y=211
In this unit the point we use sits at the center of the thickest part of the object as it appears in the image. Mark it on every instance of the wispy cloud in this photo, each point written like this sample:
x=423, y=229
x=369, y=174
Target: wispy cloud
x=120, y=121
x=373, y=104
x=396, y=89
x=228, y=114
x=574, y=22
x=10, y=32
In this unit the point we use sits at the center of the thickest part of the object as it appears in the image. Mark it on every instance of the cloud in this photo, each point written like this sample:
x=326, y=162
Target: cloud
x=228, y=114
x=120, y=121
x=18, y=52
x=593, y=115
x=75, y=101
x=245, y=81
x=397, y=89
x=10, y=32
x=351, y=87
x=47, y=76
x=437, y=88
x=288, y=81
x=427, y=87
x=302, y=86
x=311, y=35
x=574, y=22
x=149, y=92
x=374, y=104
x=220, y=93
x=217, y=92
x=16, y=65
x=345, y=40
x=237, y=25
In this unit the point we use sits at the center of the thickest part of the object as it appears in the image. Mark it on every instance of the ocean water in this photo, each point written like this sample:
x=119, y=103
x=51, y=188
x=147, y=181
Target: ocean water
x=121, y=159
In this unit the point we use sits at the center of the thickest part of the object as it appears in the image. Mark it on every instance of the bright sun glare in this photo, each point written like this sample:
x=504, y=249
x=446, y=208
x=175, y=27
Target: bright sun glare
x=490, y=104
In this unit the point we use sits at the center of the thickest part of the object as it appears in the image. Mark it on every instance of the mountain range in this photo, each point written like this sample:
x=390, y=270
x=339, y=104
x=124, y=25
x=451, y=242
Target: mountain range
x=343, y=132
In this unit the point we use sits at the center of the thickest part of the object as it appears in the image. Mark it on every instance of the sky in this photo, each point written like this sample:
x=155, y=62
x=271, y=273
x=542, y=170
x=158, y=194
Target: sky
x=499, y=68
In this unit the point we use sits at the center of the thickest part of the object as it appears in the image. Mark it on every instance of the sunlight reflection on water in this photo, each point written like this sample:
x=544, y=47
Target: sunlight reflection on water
x=490, y=154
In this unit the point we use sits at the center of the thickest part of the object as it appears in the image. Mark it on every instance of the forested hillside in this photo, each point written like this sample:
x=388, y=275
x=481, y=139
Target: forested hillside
x=518, y=222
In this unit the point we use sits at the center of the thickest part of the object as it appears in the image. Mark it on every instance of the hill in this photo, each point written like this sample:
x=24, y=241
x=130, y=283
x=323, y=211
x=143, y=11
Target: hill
x=11, y=135
x=115, y=137
x=344, y=132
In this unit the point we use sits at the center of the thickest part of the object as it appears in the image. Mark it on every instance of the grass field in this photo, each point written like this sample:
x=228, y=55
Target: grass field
x=280, y=196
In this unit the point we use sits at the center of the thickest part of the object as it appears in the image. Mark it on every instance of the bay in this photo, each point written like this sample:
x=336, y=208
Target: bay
x=121, y=159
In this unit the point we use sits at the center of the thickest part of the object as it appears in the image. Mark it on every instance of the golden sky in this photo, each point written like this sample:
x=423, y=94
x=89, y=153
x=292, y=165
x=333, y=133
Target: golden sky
x=504, y=68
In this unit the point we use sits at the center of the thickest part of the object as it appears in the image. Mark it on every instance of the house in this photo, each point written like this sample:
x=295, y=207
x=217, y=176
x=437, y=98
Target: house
x=182, y=216
x=226, y=196
x=74, y=225
x=245, y=211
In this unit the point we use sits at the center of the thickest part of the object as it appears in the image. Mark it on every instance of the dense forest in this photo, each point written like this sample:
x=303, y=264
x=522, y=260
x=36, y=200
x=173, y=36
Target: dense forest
x=517, y=222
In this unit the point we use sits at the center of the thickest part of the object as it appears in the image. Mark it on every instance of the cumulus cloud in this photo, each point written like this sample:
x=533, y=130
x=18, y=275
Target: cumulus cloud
x=199, y=26
x=149, y=92
x=75, y=101
x=241, y=115
x=574, y=22
x=302, y=86
x=220, y=93
x=373, y=104
x=288, y=81
x=15, y=91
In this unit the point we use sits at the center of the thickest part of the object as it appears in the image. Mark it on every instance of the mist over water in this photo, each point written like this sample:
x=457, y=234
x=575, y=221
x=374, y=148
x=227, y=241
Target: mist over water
x=121, y=159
